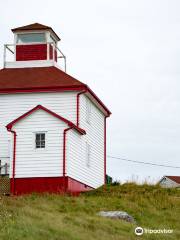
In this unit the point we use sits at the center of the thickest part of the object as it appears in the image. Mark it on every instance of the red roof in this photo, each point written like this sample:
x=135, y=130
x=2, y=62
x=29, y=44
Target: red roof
x=34, y=26
x=174, y=178
x=41, y=79
x=39, y=107
x=37, y=77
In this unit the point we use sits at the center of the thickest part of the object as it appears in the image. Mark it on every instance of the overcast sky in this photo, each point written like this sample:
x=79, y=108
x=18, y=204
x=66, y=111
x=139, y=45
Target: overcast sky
x=128, y=52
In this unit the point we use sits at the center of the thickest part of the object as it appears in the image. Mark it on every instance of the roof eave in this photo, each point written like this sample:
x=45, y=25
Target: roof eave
x=99, y=101
x=16, y=30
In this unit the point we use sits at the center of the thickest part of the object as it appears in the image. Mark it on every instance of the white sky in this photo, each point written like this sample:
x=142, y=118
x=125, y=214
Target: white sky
x=128, y=52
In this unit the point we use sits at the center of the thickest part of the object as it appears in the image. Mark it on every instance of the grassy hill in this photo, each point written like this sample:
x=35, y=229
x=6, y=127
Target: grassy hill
x=51, y=217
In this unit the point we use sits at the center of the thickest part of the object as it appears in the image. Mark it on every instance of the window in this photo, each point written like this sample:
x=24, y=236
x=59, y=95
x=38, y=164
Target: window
x=30, y=37
x=88, y=111
x=88, y=155
x=40, y=140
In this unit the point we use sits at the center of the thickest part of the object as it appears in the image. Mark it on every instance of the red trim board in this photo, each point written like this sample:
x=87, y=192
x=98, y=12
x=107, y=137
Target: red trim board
x=77, y=111
x=47, y=184
x=64, y=154
x=105, y=166
x=40, y=107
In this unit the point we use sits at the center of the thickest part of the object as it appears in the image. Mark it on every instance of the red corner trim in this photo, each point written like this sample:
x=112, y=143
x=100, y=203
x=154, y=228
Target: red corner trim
x=70, y=124
x=99, y=101
x=14, y=161
x=105, y=150
x=77, y=106
x=64, y=157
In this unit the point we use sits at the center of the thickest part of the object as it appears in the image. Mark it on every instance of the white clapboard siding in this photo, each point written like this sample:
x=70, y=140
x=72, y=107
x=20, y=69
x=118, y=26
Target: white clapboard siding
x=32, y=162
x=92, y=175
x=168, y=183
x=14, y=105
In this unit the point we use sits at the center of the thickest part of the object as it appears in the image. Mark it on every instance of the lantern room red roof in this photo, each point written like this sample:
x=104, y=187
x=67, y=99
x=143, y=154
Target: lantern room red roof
x=34, y=26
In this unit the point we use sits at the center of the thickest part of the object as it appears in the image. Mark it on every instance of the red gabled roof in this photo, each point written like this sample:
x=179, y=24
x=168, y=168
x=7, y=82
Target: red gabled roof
x=34, y=26
x=174, y=178
x=41, y=79
x=40, y=107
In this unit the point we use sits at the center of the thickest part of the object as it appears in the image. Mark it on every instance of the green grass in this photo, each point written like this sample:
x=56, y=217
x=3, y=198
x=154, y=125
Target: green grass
x=51, y=217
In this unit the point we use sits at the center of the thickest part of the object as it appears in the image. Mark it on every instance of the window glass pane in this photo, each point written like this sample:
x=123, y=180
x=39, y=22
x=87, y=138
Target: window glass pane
x=40, y=140
x=43, y=136
x=37, y=137
x=31, y=37
x=37, y=145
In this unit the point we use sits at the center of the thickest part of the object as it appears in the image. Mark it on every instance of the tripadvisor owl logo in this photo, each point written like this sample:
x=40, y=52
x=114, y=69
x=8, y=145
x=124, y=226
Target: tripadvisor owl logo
x=139, y=231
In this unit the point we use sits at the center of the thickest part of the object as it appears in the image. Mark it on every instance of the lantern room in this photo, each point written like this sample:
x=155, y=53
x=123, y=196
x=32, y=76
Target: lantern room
x=34, y=43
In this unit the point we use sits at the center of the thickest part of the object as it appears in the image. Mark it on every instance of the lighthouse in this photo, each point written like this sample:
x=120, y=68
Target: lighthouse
x=52, y=126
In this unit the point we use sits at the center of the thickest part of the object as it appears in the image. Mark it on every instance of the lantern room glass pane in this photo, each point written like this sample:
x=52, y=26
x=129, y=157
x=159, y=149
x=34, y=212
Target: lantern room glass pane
x=31, y=37
x=52, y=39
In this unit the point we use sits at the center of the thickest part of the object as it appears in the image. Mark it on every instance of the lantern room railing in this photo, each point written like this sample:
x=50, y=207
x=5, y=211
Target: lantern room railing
x=32, y=52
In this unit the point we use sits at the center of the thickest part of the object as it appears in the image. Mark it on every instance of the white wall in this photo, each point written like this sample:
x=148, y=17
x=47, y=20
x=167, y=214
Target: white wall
x=44, y=162
x=14, y=105
x=168, y=183
x=92, y=175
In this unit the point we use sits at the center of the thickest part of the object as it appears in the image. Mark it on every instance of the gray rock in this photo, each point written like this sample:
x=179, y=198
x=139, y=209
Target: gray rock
x=117, y=215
